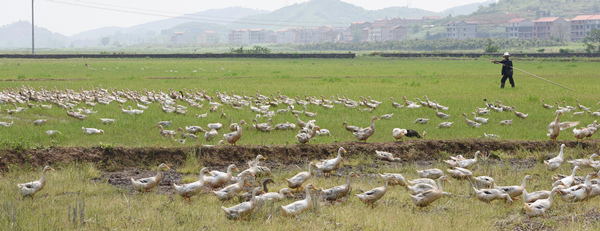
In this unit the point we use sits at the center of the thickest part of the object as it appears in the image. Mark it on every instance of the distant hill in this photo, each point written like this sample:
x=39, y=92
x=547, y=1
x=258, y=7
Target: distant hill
x=466, y=9
x=324, y=13
x=307, y=14
x=216, y=16
x=534, y=9
x=18, y=35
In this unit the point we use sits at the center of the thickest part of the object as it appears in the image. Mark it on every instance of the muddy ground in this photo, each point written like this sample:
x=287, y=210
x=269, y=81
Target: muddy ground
x=119, y=158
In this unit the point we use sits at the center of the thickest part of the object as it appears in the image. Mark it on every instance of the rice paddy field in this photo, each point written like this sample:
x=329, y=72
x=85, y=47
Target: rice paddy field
x=109, y=202
x=459, y=84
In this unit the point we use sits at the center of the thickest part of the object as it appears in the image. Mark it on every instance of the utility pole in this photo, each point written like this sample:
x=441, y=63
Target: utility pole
x=32, y=31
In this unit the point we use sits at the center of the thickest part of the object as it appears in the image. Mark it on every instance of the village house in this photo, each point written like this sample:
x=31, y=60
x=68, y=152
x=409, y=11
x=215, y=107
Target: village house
x=461, y=30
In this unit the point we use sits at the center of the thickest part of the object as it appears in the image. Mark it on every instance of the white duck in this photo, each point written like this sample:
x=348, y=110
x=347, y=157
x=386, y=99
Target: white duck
x=145, y=184
x=90, y=131
x=218, y=178
x=210, y=135
x=556, y=126
x=469, y=122
x=300, y=206
x=243, y=209
x=253, y=166
x=567, y=181
x=517, y=190
x=296, y=181
x=466, y=163
x=398, y=133
x=53, y=132
x=487, y=195
x=483, y=181
x=399, y=179
x=386, y=156
x=445, y=125
x=191, y=189
x=460, y=173
x=578, y=192
x=584, y=163
x=432, y=173
x=327, y=166
x=107, y=120
x=31, y=188
x=554, y=163
x=539, y=207
x=215, y=126
x=275, y=196
x=337, y=192
x=373, y=195
x=365, y=133
x=534, y=196
x=232, y=190
x=479, y=119
x=581, y=133
x=429, y=196
x=441, y=114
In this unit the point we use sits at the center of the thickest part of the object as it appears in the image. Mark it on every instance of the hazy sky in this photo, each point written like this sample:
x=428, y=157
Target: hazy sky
x=69, y=17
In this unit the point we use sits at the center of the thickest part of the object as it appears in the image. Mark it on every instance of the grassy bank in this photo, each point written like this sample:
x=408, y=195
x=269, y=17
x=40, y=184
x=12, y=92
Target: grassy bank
x=118, y=207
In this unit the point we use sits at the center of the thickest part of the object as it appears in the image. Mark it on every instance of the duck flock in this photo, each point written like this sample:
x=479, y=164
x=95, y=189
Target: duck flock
x=81, y=103
x=224, y=186
x=424, y=191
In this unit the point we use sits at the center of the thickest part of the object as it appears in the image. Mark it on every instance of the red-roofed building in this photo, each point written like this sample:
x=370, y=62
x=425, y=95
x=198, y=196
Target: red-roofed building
x=357, y=32
x=582, y=25
x=461, y=30
x=388, y=29
x=554, y=27
x=519, y=28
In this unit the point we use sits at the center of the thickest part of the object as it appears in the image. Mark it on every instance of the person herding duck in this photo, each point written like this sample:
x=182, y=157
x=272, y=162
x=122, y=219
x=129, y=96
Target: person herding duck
x=507, y=70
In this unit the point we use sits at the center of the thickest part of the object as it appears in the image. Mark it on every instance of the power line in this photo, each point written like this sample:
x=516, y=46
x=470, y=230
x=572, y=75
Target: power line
x=183, y=17
x=199, y=15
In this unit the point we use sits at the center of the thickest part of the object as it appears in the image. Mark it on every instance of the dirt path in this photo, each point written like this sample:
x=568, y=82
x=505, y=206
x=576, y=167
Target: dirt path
x=117, y=158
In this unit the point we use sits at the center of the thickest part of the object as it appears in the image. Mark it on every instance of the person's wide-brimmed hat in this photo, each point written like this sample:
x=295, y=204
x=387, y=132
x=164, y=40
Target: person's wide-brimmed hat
x=506, y=54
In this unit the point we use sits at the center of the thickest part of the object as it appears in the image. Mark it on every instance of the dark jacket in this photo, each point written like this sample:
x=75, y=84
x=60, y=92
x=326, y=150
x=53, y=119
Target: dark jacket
x=507, y=68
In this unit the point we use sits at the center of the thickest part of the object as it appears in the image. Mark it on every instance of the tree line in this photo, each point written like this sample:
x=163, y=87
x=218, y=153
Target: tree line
x=433, y=45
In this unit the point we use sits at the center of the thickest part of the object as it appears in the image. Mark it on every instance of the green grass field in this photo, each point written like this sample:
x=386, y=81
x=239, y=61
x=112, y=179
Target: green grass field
x=460, y=84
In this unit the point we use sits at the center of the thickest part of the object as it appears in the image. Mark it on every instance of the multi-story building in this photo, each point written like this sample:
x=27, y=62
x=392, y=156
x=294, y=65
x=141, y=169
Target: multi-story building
x=582, y=25
x=250, y=36
x=307, y=35
x=555, y=27
x=461, y=30
x=519, y=28
x=180, y=38
x=208, y=37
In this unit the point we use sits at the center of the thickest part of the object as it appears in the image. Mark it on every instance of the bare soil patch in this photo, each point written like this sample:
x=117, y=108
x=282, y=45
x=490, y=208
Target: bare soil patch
x=419, y=151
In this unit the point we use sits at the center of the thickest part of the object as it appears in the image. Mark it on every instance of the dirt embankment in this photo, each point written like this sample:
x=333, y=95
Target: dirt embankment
x=111, y=159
